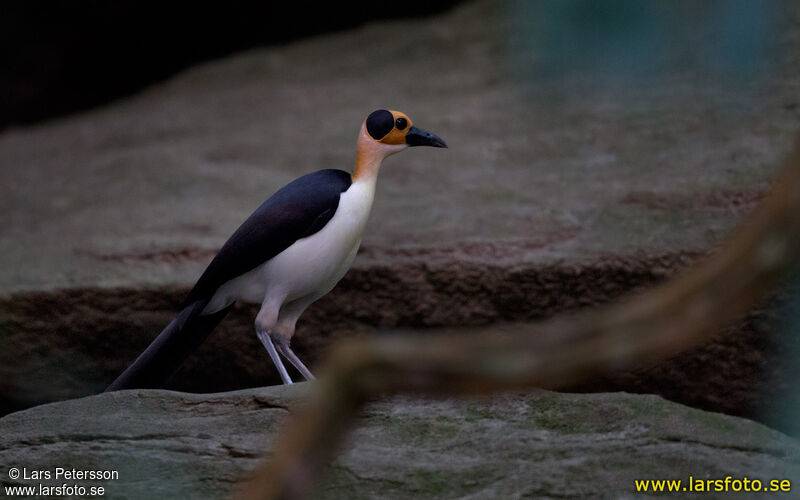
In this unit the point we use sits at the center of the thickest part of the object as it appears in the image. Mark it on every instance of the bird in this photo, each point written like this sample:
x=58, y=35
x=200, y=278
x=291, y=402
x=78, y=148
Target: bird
x=292, y=250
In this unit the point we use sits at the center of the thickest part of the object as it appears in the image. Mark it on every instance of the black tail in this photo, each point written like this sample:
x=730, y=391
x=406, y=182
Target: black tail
x=169, y=350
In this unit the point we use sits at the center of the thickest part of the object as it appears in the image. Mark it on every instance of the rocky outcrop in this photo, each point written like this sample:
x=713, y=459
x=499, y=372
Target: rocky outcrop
x=516, y=445
x=89, y=336
x=556, y=193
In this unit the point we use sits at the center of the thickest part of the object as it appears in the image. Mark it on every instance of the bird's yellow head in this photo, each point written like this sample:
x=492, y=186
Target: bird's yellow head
x=394, y=128
x=387, y=132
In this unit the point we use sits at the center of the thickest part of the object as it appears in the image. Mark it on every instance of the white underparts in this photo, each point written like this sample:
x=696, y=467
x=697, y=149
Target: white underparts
x=310, y=267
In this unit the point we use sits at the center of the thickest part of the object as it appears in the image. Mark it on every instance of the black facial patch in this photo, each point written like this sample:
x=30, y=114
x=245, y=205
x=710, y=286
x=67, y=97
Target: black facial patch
x=380, y=123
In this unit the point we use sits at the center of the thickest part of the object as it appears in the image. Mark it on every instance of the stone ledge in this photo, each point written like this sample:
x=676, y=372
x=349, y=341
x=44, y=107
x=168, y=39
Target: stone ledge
x=537, y=443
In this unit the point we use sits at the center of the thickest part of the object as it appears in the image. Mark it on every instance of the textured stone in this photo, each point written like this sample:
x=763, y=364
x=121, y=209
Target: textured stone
x=558, y=192
x=540, y=167
x=537, y=444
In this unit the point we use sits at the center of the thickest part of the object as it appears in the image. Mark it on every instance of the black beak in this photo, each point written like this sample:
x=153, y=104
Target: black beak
x=418, y=137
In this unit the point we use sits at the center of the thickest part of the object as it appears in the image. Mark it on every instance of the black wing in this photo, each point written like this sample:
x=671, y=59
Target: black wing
x=299, y=209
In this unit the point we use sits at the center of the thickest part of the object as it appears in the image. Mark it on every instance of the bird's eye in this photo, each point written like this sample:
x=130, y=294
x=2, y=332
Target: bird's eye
x=401, y=123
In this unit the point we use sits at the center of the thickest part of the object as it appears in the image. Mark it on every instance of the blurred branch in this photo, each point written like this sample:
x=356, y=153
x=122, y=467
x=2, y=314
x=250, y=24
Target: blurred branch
x=677, y=315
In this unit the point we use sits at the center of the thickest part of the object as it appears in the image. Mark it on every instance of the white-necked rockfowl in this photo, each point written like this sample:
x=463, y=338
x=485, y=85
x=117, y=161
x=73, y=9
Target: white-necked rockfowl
x=290, y=252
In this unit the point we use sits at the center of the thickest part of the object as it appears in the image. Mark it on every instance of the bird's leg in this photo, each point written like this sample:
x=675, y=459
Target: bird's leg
x=283, y=347
x=265, y=339
x=284, y=330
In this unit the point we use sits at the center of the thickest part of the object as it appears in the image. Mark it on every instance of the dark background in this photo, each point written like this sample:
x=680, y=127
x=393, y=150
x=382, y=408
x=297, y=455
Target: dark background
x=63, y=56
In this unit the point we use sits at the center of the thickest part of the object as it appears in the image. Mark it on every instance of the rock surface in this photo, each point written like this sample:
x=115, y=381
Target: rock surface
x=560, y=166
x=559, y=191
x=538, y=444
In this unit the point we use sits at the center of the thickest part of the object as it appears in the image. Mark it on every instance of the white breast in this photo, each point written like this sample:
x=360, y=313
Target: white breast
x=311, y=265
